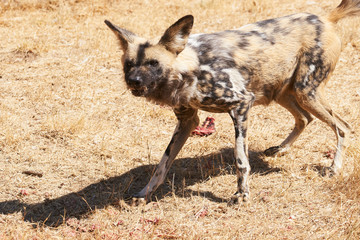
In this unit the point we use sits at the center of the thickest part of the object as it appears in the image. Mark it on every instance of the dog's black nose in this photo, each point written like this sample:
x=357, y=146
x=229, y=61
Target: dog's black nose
x=134, y=80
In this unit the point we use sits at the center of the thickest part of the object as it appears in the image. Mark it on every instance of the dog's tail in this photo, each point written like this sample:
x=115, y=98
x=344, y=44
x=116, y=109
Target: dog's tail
x=346, y=8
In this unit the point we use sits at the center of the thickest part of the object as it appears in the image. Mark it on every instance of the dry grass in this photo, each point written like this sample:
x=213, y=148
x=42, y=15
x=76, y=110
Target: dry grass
x=66, y=116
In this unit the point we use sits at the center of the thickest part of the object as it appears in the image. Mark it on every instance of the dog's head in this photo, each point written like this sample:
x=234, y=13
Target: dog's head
x=147, y=62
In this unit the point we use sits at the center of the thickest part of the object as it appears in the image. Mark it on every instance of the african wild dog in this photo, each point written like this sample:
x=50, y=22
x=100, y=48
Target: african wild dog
x=287, y=60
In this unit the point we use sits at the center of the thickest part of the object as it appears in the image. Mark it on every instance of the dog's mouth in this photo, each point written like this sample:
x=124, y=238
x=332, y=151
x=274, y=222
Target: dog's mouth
x=138, y=92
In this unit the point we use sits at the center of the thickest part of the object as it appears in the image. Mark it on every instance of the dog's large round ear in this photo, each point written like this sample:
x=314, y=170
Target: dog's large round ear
x=123, y=35
x=176, y=36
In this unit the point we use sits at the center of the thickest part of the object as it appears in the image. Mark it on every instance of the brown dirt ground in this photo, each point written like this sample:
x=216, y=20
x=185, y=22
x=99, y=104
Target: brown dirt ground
x=65, y=115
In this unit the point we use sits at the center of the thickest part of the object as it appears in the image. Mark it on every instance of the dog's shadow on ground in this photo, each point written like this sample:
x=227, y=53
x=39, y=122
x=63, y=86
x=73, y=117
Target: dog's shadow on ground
x=184, y=173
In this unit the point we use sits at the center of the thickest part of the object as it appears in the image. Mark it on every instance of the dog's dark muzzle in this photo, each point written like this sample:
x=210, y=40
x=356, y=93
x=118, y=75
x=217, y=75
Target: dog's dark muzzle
x=134, y=81
x=135, y=84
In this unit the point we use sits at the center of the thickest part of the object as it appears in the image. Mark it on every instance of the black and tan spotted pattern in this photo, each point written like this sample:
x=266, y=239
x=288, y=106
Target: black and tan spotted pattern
x=287, y=60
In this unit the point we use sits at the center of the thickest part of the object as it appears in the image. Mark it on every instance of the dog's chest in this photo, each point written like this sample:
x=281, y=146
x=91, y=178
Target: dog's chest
x=218, y=89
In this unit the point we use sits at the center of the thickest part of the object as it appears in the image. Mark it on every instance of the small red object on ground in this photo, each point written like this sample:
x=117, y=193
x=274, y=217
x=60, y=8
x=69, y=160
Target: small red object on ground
x=330, y=154
x=206, y=129
x=23, y=192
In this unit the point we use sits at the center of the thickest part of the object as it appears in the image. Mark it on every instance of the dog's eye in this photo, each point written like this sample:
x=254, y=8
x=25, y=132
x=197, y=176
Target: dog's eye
x=129, y=64
x=153, y=63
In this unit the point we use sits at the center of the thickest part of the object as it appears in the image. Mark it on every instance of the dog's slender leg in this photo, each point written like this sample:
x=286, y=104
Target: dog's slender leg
x=240, y=117
x=187, y=121
x=302, y=119
x=325, y=114
x=339, y=120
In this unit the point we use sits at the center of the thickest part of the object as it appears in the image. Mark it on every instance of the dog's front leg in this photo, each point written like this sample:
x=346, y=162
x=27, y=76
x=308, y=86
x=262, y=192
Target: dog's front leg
x=240, y=118
x=187, y=121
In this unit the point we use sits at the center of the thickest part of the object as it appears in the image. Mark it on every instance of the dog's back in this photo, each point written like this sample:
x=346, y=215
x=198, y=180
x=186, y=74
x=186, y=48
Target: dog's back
x=266, y=56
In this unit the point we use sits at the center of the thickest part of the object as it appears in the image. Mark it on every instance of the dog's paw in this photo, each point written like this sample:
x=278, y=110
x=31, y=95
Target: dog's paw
x=275, y=151
x=327, y=172
x=138, y=201
x=238, y=198
x=272, y=151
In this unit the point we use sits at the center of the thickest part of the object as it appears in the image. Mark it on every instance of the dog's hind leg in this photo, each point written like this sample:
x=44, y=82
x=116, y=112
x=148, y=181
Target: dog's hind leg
x=302, y=119
x=187, y=121
x=311, y=77
x=339, y=120
x=324, y=113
